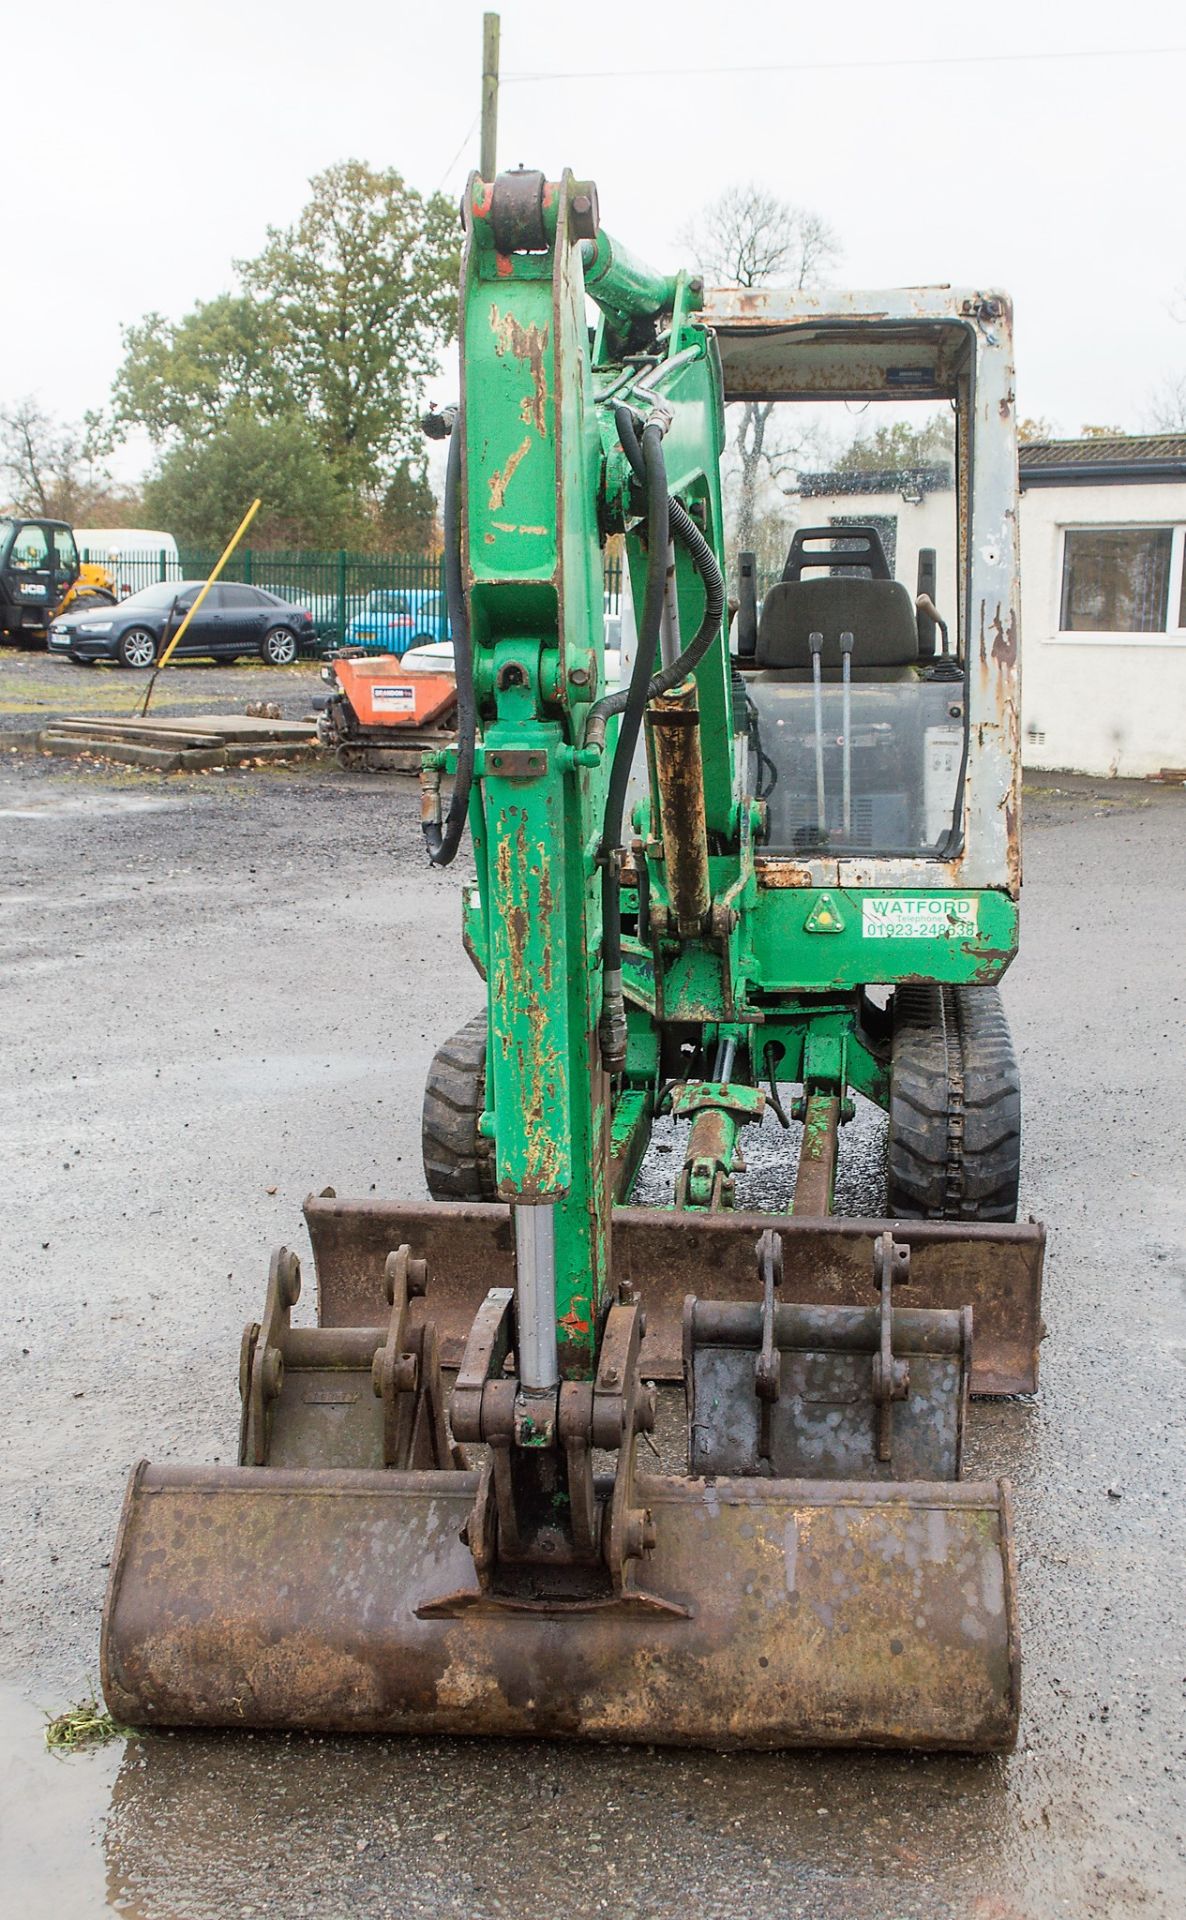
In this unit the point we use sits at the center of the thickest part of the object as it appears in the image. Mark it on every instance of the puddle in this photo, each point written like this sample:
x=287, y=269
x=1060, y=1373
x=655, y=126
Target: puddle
x=52, y=1814
x=95, y=805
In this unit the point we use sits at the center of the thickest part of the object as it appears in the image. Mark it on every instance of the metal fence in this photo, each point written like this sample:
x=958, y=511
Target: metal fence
x=337, y=588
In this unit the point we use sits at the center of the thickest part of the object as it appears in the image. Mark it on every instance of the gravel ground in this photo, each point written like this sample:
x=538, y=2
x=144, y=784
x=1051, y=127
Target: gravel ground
x=222, y=991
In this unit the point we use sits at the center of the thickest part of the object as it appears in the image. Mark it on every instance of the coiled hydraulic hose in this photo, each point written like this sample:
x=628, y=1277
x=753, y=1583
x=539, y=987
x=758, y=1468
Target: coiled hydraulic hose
x=632, y=705
x=683, y=528
x=442, y=842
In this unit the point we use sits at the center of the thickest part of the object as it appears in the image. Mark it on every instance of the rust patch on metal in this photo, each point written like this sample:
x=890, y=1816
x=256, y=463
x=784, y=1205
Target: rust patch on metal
x=782, y=1613
x=674, y=721
x=530, y=344
x=501, y=478
x=782, y=873
x=1004, y=646
x=539, y=1061
x=818, y=1149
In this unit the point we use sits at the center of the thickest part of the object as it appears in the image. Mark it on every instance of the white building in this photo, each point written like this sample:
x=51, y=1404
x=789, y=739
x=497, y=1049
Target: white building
x=1103, y=599
x=1103, y=589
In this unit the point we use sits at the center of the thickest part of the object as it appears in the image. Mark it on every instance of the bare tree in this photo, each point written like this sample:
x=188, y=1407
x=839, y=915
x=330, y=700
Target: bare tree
x=50, y=469
x=1167, y=406
x=750, y=238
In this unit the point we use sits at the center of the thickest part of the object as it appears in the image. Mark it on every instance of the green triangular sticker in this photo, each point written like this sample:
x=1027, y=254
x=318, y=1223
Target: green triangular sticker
x=824, y=916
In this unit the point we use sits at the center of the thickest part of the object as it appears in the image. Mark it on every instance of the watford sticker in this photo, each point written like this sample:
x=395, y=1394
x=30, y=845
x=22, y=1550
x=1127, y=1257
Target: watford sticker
x=824, y=916
x=926, y=916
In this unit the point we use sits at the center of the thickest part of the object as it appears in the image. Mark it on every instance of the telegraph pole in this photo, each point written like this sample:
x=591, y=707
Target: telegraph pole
x=489, y=165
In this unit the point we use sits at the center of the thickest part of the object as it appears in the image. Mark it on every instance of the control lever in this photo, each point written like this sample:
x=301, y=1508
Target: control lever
x=846, y=722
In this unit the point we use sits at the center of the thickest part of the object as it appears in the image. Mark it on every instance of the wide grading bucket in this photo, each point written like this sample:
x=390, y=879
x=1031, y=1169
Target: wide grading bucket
x=664, y=1256
x=769, y=1613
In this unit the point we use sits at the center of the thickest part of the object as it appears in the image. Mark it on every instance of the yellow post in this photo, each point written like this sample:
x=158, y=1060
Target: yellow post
x=167, y=655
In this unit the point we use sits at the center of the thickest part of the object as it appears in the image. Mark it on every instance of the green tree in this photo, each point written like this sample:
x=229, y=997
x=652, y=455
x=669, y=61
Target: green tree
x=203, y=486
x=182, y=380
x=332, y=334
x=364, y=291
x=896, y=446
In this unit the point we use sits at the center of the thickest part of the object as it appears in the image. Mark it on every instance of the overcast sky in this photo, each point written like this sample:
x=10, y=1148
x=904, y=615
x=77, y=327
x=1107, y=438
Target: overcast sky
x=1058, y=179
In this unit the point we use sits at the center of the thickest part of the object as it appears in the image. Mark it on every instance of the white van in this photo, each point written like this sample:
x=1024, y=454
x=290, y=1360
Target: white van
x=137, y=556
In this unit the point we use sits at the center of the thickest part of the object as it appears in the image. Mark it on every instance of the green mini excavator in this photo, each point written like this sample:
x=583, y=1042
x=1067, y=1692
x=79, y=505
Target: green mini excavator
x=781, y=856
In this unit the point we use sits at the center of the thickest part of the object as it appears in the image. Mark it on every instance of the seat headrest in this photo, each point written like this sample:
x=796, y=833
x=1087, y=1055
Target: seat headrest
x=855, y=548
x=878, y=613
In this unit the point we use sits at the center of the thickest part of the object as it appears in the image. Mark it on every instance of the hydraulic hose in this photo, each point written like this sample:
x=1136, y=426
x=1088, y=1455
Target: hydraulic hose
x=442, y=843
x=612, y=1028
x=683, y=528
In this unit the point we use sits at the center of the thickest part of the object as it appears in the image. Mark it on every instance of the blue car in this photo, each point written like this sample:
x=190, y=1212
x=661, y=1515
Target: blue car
x=394, y=619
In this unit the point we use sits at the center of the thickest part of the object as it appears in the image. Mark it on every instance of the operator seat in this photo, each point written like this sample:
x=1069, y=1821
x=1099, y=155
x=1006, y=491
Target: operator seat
x=863, y=600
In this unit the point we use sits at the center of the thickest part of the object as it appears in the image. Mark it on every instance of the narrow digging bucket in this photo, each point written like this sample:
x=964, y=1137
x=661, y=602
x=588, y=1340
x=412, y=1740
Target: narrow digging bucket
x=995, y=1270
x=770, y=1613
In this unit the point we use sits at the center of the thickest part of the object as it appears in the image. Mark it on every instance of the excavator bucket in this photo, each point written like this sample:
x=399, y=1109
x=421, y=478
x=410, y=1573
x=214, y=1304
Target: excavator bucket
x=774, y=1614
x=796, y=1588
x=664, y=1256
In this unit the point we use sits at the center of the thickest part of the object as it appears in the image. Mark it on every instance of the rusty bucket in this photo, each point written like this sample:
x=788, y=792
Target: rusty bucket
x=663, y=1256
x=821, y=1576
x=768, y=1614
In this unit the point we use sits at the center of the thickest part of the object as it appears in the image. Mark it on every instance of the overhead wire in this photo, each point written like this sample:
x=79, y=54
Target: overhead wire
x=469, y=134
x=846, y=66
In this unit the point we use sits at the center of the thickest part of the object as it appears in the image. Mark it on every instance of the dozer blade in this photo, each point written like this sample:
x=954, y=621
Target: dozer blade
x=995, y=1270
x=769, y=1614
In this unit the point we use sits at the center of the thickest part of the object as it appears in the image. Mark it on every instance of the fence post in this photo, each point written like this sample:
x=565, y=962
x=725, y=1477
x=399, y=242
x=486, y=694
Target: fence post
x=164, y=569
x=341, y=596
x=247, y=565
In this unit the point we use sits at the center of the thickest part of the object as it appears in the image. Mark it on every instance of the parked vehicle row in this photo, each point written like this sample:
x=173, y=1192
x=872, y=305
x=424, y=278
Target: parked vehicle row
x=231, y=622
x=393, y=619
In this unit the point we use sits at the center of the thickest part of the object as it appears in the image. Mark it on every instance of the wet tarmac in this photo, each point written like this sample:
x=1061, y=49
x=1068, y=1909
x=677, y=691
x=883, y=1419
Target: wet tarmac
x=227, y=994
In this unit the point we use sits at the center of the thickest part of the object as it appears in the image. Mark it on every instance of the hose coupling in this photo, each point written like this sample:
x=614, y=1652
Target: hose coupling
x=611, y=1028
x=430, y=796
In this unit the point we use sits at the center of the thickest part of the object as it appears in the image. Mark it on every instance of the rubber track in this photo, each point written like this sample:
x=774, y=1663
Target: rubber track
x=955, y=1106
x=458, y=1162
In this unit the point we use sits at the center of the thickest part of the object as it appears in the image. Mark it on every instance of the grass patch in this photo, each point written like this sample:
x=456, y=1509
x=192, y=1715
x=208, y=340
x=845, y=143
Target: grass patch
x=83, y=1726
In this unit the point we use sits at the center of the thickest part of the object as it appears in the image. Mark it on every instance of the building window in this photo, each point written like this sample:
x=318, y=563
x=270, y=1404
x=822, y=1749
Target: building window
x=1116, y=579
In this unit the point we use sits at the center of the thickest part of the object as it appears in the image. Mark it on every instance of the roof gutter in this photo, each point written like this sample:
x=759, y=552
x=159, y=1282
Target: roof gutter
x=1125, y=473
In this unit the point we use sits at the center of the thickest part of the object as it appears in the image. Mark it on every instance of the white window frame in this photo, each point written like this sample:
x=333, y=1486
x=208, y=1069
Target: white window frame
x=1173, y=634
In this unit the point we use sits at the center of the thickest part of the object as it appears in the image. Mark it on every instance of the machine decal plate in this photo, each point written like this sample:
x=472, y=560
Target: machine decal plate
x=393, y=698
x=920, y=916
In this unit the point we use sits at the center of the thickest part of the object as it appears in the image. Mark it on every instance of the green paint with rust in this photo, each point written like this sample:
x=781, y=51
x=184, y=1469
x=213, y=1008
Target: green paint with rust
x=545, y=483
x=531, y=554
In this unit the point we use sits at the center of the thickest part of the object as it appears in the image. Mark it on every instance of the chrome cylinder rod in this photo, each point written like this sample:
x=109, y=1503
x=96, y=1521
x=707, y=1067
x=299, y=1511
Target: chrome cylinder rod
x=670, y=645
x=535, y=1294
x=816, y=641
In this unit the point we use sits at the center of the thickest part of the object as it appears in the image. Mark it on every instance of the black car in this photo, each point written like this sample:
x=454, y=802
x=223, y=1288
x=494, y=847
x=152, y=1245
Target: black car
x=232, y=620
